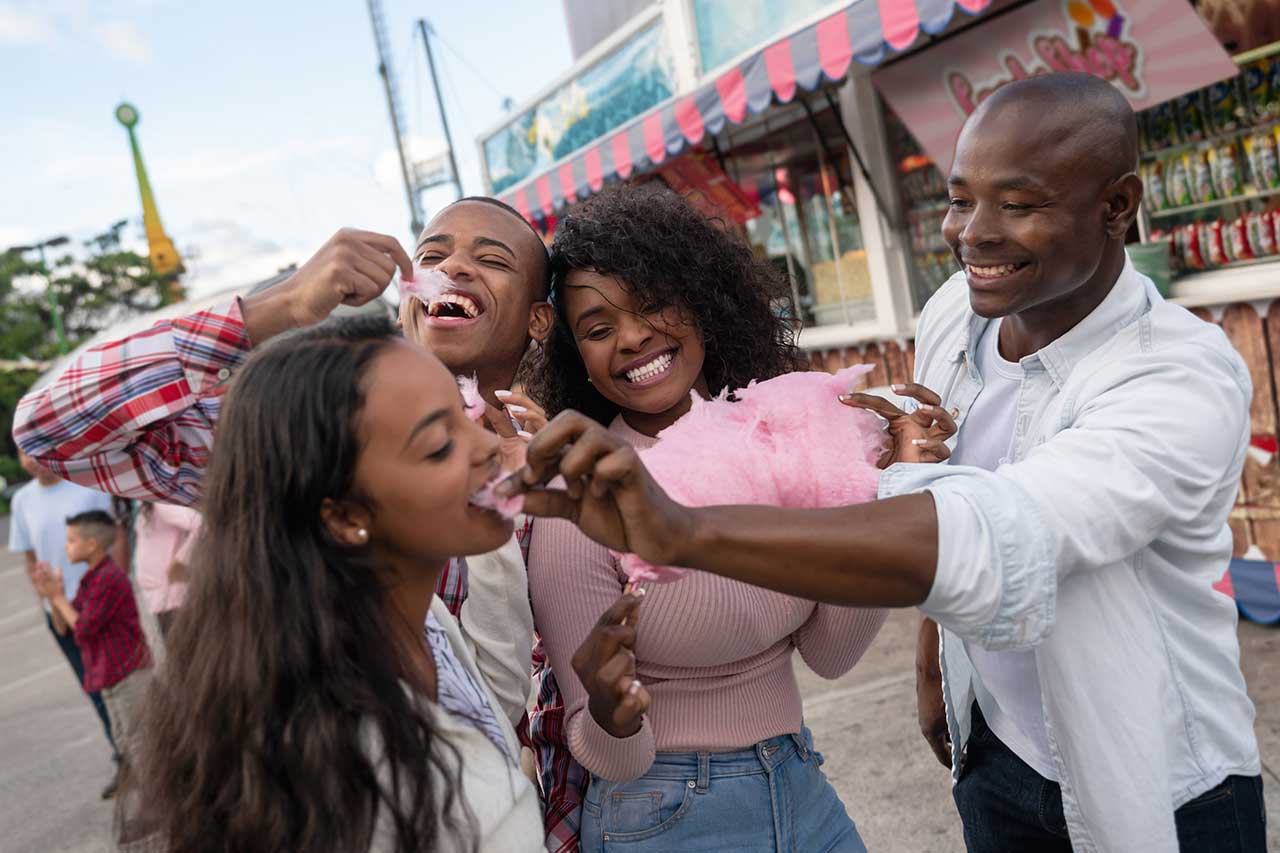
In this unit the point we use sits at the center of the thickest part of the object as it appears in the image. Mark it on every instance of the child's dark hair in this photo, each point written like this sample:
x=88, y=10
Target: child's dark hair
x=667, y=254
x=280, y=719
x=95, y=524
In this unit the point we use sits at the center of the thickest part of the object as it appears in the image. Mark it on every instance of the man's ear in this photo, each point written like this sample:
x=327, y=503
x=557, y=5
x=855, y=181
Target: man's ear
x=542, y=316
x=347, y=522
x=1123, y=197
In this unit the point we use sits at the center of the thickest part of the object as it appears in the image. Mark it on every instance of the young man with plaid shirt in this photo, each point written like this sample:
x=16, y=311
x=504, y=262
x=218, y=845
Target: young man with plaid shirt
x=135, y=417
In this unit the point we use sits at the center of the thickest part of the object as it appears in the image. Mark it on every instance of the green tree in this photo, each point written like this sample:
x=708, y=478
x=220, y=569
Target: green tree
x=106, y=285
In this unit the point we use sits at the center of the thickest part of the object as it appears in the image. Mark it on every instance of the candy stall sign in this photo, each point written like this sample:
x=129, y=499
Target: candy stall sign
x=1151, y=50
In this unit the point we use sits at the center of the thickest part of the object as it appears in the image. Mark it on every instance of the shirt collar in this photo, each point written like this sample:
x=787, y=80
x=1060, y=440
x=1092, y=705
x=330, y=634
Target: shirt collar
x=1129, y=298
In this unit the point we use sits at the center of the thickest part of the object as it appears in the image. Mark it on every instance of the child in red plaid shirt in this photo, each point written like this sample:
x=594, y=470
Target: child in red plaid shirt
x=103, y=619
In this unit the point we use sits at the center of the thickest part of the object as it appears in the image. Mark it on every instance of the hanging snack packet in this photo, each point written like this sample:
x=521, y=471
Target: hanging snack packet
x=1262, y=239
x=1213, y=244
x=1162, y=126
x=1153, y=184
x=1225, y=107
x=1225, y=159
x=1190, y=109
x=1260, y=152
x=1201, y=174
x=1178, y=184
x=1260, y=89
x=1192, y=257
x=1240, y=249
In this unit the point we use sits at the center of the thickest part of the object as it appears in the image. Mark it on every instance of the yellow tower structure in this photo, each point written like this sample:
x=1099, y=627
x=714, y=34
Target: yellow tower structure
x=164, y=256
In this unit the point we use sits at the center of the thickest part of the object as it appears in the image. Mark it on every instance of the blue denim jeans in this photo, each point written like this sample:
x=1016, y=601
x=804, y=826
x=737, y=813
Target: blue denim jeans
x=1005, y=805
x=771, y=798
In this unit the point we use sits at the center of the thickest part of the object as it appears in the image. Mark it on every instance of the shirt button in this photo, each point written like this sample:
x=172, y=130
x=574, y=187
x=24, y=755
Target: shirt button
x=691, y=784
x=224, y=374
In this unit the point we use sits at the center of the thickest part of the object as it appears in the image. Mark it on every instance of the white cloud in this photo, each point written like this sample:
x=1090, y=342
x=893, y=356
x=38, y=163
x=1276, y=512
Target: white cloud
x=222, y=254
x=19, y=26
x=419, y=150
x=123, y=40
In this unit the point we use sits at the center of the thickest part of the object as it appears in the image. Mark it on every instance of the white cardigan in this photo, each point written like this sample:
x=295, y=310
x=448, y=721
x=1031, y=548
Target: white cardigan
x=495, y=647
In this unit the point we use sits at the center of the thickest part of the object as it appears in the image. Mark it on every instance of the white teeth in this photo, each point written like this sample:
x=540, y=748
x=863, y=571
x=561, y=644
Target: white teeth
x=466, y=303
x=652, y=369
x=994, y=272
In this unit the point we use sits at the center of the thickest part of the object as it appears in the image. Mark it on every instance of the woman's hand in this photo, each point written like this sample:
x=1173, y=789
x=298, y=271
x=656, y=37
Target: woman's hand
x=608, y=492
x=606, y=664
x=524, y=409
x=918, y=436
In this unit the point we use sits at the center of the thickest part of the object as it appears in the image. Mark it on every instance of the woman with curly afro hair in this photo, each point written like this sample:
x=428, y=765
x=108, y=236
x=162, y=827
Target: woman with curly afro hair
x=685, y=711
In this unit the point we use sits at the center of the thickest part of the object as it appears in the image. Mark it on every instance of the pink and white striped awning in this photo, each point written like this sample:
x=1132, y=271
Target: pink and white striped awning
x=865, y=30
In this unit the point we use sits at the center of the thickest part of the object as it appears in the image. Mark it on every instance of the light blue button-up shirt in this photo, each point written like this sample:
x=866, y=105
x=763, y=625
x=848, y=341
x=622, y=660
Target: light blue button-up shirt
x=1098, y=545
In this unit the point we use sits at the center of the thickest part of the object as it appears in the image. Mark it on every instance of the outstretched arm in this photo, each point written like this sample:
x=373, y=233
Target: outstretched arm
x=135, y=417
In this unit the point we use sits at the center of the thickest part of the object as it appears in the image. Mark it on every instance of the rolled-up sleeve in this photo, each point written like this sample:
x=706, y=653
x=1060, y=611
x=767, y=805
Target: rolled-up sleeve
x=1145, y=450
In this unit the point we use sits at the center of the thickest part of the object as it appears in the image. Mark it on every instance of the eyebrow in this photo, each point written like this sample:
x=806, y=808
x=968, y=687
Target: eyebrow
x=437, y=415
x=489, y=241
x=1016, y=182
x=447, y=239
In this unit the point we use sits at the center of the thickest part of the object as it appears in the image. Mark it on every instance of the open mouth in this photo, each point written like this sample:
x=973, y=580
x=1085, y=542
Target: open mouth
x=489, y=500
x=652, y=370
x=452, y=307
x=994, y=271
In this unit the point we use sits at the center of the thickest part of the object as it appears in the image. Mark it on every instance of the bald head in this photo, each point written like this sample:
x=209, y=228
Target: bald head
x=1078, y=117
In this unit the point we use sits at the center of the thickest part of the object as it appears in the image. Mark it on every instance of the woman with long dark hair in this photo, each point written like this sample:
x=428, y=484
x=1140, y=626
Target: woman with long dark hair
x=302, y=705
x=686, y=709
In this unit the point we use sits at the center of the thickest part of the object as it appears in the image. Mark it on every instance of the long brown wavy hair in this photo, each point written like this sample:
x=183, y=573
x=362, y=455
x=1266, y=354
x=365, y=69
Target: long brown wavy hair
x=280, y=720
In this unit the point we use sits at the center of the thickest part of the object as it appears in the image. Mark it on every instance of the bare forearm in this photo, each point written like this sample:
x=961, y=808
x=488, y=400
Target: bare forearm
x=269, y=312
x=882, y=553
x=64, y=615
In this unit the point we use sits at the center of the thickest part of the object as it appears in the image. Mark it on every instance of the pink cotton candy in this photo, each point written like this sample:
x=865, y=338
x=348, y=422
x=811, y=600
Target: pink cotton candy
x=472, y=402
x=425, y=285
x=786, y=442
x=488, y=498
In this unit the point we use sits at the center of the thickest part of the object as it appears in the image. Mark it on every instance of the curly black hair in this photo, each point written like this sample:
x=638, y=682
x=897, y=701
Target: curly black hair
x=668, y=255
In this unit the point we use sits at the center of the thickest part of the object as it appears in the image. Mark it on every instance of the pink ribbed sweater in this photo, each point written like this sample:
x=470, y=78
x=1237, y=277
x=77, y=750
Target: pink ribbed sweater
x=715, y=654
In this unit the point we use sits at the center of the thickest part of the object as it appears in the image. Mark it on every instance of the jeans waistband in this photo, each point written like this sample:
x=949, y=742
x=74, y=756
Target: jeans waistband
x=763, y=757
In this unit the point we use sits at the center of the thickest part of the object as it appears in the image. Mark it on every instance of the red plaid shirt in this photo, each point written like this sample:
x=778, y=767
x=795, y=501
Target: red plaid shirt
x=107, y=629
x=135, y=417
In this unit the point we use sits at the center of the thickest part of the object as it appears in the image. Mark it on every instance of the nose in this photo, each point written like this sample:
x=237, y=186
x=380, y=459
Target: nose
x=457, y=266
x=636, y=331
x=979, y=226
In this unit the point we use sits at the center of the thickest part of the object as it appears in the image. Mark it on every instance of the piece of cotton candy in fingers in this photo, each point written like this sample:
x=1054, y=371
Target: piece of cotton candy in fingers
x=488, y=498
x=425, y=285
x=472, y=402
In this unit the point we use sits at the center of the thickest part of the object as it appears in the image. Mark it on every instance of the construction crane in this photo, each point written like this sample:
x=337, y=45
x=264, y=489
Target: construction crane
x=387, y=74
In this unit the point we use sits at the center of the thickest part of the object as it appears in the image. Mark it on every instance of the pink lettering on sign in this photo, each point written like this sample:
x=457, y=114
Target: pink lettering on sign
x=1110, y=57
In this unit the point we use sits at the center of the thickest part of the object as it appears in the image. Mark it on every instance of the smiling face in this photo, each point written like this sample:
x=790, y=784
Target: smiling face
x=421, y=462
x=497, y=266
x=1041, y=190
x=643, y=359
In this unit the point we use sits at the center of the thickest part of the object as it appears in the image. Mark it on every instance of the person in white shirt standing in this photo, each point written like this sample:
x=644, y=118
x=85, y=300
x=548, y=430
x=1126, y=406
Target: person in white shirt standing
x=1069, y=552
x=38, y=531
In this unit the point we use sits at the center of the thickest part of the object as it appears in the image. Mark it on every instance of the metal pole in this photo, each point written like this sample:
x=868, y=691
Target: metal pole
x=444, y=119
x=54, y=307
x=415, y=214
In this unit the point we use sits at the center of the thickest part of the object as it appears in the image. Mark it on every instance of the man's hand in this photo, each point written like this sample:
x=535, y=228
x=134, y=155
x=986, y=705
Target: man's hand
x=606, y=664
x=352, y=268
x=931, y=710
x=608, y=492
x=920, y=436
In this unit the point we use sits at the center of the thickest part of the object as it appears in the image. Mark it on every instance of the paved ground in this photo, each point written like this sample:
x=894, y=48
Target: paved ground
x=55, y=759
